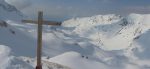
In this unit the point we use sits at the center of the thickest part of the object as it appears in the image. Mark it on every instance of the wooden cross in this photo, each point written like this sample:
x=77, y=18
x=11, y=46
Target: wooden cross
x=39, y=41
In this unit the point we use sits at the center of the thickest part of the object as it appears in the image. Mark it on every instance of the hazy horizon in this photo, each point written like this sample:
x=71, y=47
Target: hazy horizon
x=65, y=9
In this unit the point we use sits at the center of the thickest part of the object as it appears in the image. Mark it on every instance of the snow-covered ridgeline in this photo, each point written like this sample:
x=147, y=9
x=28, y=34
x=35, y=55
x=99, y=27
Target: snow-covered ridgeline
x=107, y=30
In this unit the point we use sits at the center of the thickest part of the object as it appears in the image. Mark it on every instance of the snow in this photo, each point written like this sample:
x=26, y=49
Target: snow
x=143, y=41
x=21, y=43
x=76, y=61
x=127, y=37
x=8, y=61
x=102, y=41
x=106, y=33
x=4, y=59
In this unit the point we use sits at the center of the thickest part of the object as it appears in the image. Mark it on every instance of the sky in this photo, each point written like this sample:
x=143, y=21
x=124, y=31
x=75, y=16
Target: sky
x=61, y=10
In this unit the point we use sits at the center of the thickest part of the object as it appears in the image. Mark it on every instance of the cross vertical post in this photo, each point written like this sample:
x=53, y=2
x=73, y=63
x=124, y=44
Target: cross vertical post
x=40, y=22
x=39, y=41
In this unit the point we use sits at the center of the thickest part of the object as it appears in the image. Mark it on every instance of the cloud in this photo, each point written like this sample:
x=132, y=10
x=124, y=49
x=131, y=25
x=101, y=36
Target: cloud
x=19, y=4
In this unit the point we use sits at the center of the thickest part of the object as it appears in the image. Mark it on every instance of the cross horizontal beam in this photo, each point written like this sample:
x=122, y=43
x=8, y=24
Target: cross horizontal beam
x=44, y=22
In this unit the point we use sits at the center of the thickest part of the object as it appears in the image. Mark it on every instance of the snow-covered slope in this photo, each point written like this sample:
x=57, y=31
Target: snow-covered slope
x=4, y=53
x=102, y=41
x=110, y=32
x=9, y=61
x=8, y=11
x=16, y=42
x=21, y=43
x=77, y=61
x=123, y=36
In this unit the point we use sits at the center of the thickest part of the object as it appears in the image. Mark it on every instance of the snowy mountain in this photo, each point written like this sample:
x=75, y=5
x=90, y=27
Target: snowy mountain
x=16, y=41
x=105, y=31
x=123, y=40
x=102, y=41
x=8, y=11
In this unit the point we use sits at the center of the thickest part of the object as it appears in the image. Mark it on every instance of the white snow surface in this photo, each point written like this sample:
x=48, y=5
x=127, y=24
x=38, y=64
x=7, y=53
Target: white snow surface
x=4, y=59
x=98, y=42
x=76, y=61
x=21, y=43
